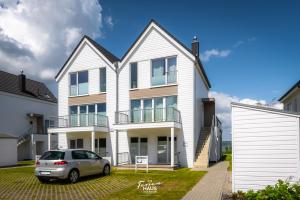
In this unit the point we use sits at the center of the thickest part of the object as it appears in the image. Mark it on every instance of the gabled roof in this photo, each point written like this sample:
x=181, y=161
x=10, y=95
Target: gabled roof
x=197, y=59
x=10, y=83
x=297, y=85
x=112, y=58
x=161, y=27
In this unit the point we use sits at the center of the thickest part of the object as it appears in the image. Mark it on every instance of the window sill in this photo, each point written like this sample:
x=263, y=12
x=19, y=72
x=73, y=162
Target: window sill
x=102, y=92
x=132, y=89
x=83, y=95
x=165, y=85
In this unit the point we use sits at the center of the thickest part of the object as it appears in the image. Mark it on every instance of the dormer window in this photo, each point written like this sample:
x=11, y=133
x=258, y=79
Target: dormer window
x=163, y=71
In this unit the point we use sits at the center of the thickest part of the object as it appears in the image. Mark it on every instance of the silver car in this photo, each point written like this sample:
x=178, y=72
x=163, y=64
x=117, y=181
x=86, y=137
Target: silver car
x=70, y=164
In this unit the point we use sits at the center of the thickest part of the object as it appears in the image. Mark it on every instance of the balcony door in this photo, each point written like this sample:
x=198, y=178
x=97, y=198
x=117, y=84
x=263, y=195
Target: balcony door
x=147, y=110
x=138, y=147
x=83, y=115
x=164, y=149
x=100, y=146
x=171, y=104
x=158, y=109
x=135, y=111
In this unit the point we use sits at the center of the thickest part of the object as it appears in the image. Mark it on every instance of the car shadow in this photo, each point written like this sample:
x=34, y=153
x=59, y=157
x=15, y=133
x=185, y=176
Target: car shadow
x=82, y=179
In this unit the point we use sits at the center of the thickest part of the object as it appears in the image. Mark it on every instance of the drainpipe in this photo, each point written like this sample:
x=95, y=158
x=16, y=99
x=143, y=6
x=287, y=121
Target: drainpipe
x=117, y=109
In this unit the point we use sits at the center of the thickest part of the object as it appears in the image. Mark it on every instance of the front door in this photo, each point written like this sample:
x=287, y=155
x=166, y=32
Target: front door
x=164, y=149
x=138, y=147
x=100, y=146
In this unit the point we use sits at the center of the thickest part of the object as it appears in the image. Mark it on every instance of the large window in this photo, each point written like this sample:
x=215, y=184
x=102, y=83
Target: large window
x=76, y=144
x=133, y=75
x=164, y=71
x=79, y=83
x=102, y=79
x=88, y=115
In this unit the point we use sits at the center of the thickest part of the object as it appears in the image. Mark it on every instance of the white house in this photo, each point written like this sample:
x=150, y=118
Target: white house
x=26, y=108
x=8, y=143
x=265, y=146
x=152, y=102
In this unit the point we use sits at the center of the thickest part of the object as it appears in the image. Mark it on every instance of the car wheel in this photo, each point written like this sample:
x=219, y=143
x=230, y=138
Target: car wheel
x=43, y=180
x=73, y=176
x=106, y=170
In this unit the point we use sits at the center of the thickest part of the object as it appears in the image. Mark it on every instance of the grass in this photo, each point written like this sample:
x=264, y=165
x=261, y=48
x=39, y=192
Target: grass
x=25, y=163
x=20, y=183
x=228, y=157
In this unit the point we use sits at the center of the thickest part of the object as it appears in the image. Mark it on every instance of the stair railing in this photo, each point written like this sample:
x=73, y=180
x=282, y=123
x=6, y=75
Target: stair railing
x=212, y=131
x=25, y=136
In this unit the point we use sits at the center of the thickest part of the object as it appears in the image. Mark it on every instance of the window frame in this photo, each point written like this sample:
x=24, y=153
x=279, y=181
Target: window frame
x=166, y=75
x=101, y=68
x=77, y=83
x=130, y=76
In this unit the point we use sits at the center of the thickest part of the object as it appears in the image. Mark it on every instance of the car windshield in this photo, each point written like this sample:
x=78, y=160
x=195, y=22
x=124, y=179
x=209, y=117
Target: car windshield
x=53, y=155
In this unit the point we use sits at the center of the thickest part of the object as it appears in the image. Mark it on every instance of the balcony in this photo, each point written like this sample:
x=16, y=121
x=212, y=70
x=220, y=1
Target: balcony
x=158, y=117
x=79, y=122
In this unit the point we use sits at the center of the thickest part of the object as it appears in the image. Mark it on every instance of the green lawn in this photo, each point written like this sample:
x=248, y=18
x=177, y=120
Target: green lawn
x=20, y=183
x=228, y=157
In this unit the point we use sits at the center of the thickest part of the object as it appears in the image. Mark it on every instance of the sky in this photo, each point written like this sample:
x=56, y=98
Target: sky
x=249, y=49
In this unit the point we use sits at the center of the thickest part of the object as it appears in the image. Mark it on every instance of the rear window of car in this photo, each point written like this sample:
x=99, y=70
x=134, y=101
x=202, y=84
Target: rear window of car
x=53, y=155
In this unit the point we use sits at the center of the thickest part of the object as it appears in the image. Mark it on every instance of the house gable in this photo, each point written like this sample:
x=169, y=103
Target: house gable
x=105, y=55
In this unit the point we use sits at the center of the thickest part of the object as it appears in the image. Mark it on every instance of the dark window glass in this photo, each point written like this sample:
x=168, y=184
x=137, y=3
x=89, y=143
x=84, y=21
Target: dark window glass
x=91, y=155
x=144, y=140
x=79, y=143
x=91, y=108
x=73, y=110
x=82, y=109
x=162, y=138
x=134, y=140
x=83, y=77
x=102, y=142
x=73, y=79
x=72, y=144
x=101, y=107
x=102, y=79
x=79, y=155
x=53, y=155
x=133, y=75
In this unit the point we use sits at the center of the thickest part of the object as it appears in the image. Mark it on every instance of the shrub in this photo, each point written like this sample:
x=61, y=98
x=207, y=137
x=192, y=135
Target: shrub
x=281, y=190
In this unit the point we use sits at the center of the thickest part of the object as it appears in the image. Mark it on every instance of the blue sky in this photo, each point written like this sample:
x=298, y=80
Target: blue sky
x=263, y=39
x=249, y=48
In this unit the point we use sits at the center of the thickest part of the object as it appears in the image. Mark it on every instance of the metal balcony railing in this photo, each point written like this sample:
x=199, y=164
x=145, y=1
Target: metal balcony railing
x=80, y=120
x=168, y=114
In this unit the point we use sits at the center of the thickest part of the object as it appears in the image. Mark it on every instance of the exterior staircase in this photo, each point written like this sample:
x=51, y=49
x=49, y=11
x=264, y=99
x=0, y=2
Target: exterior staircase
x=24, y=138
x=202, y=151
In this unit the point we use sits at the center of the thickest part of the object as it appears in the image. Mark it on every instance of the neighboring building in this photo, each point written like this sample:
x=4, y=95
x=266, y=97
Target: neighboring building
x=154, y=101
x=26, y=107
x=8, y=150
x=291, y=99
x=265, y=146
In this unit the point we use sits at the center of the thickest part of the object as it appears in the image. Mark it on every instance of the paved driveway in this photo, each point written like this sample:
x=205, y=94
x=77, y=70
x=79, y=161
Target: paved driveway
x=211, y=185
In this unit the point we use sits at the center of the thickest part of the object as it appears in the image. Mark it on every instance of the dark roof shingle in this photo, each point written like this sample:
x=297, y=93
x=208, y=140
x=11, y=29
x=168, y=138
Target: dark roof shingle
x=290, y=90
x=34, y=89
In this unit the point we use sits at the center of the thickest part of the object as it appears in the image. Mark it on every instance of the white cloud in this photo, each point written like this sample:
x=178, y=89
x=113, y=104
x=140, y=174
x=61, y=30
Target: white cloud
x=241, y=42
x=37, y=37
x=208, y=54
x=223, y=108
x=109, y=21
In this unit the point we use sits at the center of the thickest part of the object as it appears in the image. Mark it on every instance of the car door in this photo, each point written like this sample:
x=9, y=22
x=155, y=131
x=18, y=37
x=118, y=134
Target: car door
x=95, y=162
x=82, y=162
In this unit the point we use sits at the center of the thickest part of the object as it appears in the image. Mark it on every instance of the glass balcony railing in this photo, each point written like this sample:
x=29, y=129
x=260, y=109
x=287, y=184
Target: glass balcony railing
x=168, y=114
x=80, y=120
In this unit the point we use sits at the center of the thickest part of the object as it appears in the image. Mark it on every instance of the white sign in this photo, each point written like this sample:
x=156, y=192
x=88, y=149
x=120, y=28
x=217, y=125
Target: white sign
x=141, y=160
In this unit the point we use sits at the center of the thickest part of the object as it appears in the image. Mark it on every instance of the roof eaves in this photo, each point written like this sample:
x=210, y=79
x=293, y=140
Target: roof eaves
x=290, y=90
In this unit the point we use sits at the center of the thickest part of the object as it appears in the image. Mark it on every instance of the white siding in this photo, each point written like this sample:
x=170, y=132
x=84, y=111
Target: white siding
x=265, y=147
x=8, y=151
x=201, y=92
x=157, y=46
